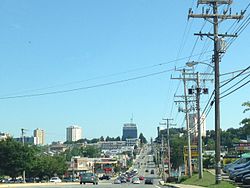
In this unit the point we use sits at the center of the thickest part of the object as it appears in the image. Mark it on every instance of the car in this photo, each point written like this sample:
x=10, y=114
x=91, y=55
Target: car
x=128, y=179
x=136, y=180
x=146, y=170
x=55, y=180
x=141, y=178
x=104, y=177
x=239, y=176
x=152, y=172
x=88, y=177
x=149, y=181
x=246, y=179
x=237, y=163
x=234, y=173
x=123, y=179
x=117, y=181
x=70, y=179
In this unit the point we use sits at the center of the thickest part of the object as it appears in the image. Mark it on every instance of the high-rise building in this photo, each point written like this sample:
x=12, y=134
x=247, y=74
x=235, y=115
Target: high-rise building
x=193, y=124
x=73, y=133
x=129, y=131
x=39, y=135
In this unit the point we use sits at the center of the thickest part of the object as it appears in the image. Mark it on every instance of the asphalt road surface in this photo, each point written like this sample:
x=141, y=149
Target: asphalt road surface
x=101, y=185
x=144, y=164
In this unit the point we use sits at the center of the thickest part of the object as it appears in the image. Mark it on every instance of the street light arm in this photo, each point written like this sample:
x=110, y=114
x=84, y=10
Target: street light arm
x=193, y=63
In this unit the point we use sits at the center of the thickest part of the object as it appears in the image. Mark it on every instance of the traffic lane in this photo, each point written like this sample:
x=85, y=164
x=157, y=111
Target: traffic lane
x=126, y=185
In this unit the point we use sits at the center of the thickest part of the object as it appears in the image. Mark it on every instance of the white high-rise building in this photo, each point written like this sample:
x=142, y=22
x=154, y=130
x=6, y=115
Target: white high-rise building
x=193, y=124
x=73, y=133
x=39, y=135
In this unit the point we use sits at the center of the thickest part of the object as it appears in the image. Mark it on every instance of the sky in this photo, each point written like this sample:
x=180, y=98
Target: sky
x=97, y=64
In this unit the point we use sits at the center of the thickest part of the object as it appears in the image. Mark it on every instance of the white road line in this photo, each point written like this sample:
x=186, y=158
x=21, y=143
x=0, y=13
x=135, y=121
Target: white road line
x=157, y=186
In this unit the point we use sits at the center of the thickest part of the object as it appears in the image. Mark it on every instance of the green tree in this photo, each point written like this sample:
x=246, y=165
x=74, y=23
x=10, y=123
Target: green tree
x=48, y=166
x=15, y=157
x=91, y=151
x=143, y=140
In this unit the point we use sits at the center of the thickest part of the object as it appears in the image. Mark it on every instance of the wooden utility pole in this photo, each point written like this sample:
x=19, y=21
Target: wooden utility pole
x=22, y=133
x=187, y=121
x=168, y=140
x=219, y=47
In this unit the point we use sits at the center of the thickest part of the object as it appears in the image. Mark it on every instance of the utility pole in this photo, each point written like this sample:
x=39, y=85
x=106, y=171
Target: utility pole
x=22, y=133
x=162, y=158
x=187, y=124
x=169, y=163
x=219, y=47
x=187, y=121
x=198, y=92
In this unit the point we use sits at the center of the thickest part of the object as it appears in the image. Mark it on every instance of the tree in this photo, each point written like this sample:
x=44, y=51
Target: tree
x=177, y=147
x=15, y=157
x=143, y=140
x=246, y=122
x=118, y=138
x=91, y=151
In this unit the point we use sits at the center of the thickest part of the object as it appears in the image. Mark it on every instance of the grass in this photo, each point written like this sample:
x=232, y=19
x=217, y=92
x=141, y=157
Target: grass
x=208, y=180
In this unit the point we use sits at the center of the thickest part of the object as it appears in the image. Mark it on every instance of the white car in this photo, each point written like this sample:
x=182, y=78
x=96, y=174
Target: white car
x=136, y=181
x=55, y=180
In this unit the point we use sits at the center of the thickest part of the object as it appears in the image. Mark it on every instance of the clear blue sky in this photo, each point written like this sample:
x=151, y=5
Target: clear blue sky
x=58, y=45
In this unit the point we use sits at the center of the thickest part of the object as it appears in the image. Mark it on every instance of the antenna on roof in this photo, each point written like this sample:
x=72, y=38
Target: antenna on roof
x=131, y=119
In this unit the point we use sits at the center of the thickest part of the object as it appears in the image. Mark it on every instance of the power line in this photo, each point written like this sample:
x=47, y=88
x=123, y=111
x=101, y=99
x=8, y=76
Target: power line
x=235, y=89
x=104, y=76
x=84, y=88
x=235, y=76
x=235, y=84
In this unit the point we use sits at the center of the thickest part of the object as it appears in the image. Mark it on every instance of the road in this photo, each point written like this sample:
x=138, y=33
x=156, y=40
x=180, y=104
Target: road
x=144, y=163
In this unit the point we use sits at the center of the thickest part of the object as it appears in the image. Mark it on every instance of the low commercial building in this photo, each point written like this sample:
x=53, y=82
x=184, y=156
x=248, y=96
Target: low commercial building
x=4, y=136
x=96, y=165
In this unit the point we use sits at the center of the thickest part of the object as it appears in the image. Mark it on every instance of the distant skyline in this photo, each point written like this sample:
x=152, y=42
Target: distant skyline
x=94, y=63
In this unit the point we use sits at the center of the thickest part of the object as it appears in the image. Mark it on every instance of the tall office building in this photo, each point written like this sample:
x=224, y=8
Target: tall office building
x=193, y=122
x=129, y=131
x=73, y=133
x=39, y=136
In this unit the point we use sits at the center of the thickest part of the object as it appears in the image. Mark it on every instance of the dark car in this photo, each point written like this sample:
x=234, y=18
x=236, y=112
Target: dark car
x=88, y=177
x=104, y=177
x=69, y=179
x=123, y=179
x=149, y=181
x=152, y=172
x=246, y=179
x=239, y=176
x=234, y=173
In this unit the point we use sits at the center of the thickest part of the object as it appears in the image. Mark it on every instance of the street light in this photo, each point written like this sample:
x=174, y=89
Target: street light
x=193, y=63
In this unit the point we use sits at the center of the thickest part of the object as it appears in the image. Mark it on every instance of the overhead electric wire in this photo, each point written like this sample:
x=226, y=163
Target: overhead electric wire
x=84, y=88
x=101, y=77
x=235, y=84
x=235, y=76
x=230, y=78
x=235, y=90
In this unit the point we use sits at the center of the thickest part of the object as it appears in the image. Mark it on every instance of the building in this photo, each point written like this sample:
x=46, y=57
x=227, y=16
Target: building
x=39, y=134
x=97, y=165
x=193, y=124
x=73, y=133
x=132, y=142
x=129, y=131
x=4, y=136
x=27, y=140
x=112, y=145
